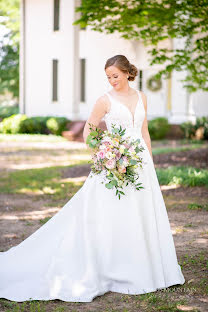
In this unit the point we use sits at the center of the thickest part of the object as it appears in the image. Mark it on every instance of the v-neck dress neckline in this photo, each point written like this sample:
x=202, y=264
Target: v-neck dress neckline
x=132, y=115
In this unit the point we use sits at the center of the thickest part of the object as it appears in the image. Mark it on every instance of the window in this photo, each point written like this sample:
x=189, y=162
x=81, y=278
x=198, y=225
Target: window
x=56, y=6
x=83, y=74
x=55, y=81
x=140, y=80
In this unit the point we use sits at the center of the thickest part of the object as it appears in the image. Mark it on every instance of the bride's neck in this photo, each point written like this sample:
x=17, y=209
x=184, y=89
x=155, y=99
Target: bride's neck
x=126, y=91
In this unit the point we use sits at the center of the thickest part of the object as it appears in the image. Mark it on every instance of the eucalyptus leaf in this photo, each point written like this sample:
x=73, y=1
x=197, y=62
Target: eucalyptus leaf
x=109, y=185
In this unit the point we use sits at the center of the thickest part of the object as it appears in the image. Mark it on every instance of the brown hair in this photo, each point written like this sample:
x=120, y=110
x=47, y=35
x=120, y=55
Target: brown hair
x=122, y=63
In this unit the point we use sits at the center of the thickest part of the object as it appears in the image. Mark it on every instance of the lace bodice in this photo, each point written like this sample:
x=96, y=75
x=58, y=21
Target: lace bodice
x=120, y=115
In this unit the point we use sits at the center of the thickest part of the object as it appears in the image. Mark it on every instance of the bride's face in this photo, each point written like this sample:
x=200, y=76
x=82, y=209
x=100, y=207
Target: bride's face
x=116, y=77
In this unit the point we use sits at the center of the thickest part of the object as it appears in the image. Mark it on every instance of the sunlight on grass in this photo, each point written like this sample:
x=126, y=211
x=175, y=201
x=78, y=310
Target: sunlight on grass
x=187, y=176
x=45, y=181
x=31, y=138
x=165, y=150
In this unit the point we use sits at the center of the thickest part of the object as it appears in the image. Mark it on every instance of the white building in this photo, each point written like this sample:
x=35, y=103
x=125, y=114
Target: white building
x=62, y=67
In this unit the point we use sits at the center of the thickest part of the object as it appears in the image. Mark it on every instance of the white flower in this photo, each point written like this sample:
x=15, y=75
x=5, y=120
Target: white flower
x=109, y=155
x=103, y=146
x=122, y=148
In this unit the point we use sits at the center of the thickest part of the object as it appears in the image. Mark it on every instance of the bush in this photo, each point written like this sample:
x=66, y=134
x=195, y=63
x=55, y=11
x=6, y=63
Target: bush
x=7, y=111
x=43, y=125
x=35, y=125
x=188, y=129
x=56, y=125
x=12, y=124
x=158, y=128
x=199, y=129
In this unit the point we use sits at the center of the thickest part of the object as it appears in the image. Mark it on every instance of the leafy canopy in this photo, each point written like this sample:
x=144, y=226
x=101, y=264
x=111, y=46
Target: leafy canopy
x=153, y=21
x=9, y=46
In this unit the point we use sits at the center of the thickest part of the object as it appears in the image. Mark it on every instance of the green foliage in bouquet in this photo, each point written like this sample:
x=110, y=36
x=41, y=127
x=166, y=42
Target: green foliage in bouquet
x=116, y=156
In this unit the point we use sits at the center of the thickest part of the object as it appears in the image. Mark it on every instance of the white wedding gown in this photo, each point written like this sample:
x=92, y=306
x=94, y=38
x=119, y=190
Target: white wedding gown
x=97, y=243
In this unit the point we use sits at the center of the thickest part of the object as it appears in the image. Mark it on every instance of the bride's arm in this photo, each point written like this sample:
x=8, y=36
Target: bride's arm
x=98, y=111
x=145, y=131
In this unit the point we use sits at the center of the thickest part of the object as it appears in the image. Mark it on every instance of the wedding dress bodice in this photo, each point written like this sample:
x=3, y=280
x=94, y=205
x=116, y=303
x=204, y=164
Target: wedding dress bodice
x=120, y=115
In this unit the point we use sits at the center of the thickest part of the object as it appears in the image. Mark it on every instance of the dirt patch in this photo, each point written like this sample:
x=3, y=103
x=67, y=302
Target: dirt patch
x=75, y=172
x=198, y=192
x=195, y=158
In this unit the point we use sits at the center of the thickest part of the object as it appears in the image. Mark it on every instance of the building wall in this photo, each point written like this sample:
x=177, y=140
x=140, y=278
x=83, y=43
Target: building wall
x=69, y=46
x=42, y=45
x=96, y=48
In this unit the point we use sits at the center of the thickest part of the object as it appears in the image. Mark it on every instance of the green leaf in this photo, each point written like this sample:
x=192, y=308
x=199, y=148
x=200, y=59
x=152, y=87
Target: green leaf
x=93, y=133
x=109, y=185
x=114, y=182
x=89, y=138
x=94, y=142
x=133, y=161
x=120, y=161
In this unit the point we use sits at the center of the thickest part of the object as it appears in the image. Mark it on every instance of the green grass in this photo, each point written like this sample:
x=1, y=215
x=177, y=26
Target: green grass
x=187, y=176
x=191, y=141
x=43, y=221
x=48, y=181
x=43, y=181
x=161, y=301
x=31, y=138
x=198, y=265
x=194, y=206
x=166, y=150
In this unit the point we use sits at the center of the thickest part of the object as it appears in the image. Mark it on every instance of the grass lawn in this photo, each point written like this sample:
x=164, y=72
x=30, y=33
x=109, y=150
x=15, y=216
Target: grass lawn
x=39, y=174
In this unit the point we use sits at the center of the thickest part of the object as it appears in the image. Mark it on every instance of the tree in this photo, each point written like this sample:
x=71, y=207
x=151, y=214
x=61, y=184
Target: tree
x=153, y=21
x=9, y=46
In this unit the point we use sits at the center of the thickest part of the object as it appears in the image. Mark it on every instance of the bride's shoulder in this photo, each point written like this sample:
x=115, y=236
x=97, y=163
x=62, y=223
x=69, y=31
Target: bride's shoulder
x=103, y=102
x=102, y=99
x=144, y=98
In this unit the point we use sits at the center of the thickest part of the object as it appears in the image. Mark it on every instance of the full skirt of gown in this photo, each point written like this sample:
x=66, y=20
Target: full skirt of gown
x=96, y=243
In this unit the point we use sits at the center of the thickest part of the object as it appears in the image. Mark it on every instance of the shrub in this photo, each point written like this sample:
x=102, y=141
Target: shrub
x=7, y=111
x=43, y=125
x=12, y=124
x=56, y=125
x=158, y=128
x=35, y=125
x=188, y=129
x=199, y=129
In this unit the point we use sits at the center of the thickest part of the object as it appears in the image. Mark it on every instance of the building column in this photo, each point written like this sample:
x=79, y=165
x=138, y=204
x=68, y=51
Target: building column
x=77, y=67
x=179, y=93
x=22, y=104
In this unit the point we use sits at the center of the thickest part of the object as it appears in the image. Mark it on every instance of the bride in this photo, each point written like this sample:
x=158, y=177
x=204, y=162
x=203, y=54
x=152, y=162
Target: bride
x=97, y=243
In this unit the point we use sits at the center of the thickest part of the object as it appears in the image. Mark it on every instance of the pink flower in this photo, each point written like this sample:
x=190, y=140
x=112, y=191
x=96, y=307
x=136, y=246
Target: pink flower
x=106, y=143
x=110, y=164
x=126, y=145
x=125, y=159
x=101, y=154
x=118, y=155
x=131, y=149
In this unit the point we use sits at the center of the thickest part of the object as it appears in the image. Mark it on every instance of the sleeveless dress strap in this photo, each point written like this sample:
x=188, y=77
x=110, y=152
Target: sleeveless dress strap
x=110, y=100
x=140, y=98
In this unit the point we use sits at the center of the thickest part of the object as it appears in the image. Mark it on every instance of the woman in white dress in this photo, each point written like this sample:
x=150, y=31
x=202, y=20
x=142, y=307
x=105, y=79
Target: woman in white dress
x=97, y=243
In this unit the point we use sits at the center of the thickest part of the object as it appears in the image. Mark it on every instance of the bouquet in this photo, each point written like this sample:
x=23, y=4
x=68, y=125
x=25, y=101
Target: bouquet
x=116, y=157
